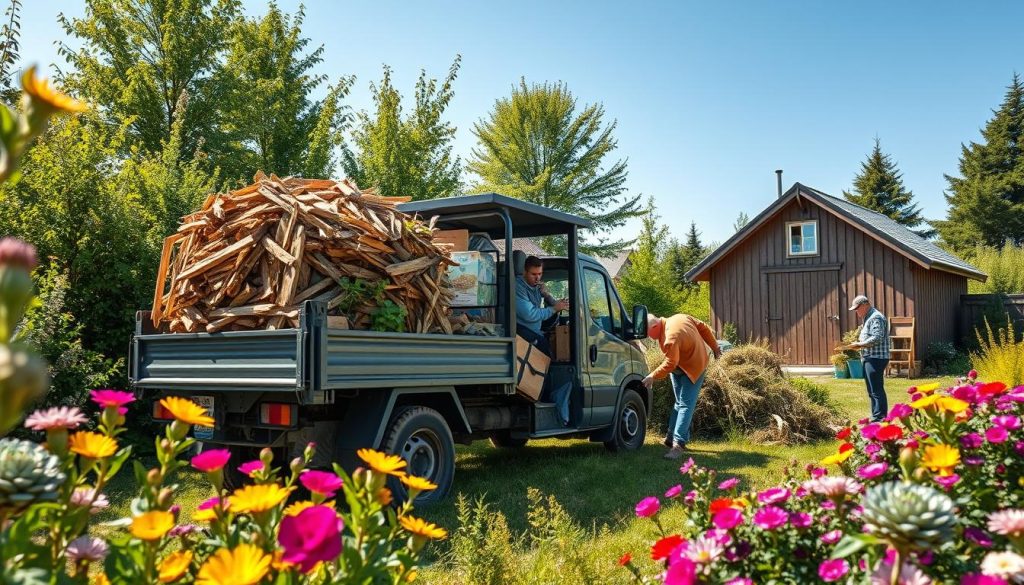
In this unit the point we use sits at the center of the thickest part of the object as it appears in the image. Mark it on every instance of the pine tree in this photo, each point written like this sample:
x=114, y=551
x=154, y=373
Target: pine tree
x=682, y=258
x=537, y=146
x=741, y=222
x=986, y=202
x=879, y=187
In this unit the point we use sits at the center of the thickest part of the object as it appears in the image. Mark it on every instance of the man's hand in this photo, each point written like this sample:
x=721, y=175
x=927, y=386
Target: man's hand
x=648, y=381
x=718, y=354
x=561, y=305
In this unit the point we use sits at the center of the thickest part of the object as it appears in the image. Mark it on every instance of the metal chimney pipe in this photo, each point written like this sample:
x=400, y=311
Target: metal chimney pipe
x=778, y=177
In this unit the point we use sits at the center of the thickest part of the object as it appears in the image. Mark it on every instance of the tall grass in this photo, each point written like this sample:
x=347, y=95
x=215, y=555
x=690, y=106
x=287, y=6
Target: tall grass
x=1001, y=356
x=1004, y=267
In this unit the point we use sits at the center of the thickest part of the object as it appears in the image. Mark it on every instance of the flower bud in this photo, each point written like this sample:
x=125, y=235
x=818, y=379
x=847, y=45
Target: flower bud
x=267, y=456
x=165, y=498
x=179, y=430
x=921, y=474
x=154, y=477
x=166, y=446
x=23, y=380
x=309, y=451
x=297, y=465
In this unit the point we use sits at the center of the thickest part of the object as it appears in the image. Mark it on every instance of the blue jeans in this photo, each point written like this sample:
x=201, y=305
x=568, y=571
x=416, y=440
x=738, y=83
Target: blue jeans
x=686, y=401
x=874, y=377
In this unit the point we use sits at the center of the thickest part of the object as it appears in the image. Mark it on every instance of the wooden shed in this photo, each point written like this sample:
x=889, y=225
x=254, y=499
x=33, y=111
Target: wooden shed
x=789, y=275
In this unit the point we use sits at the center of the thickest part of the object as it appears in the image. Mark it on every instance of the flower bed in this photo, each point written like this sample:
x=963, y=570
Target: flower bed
x=934, y=494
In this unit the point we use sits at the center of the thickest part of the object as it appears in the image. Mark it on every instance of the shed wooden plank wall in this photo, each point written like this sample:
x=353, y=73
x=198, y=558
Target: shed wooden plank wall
x=938, y=303
x=739, y=286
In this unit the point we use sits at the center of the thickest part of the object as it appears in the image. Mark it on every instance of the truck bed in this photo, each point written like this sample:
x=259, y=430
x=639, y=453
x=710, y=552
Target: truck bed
x=313, y=357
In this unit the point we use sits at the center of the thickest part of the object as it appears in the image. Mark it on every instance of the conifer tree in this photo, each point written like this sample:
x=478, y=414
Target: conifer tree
x=879, y=187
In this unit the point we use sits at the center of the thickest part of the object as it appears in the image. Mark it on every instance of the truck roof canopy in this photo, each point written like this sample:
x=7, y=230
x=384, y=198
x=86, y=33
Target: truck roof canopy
x=528, y=219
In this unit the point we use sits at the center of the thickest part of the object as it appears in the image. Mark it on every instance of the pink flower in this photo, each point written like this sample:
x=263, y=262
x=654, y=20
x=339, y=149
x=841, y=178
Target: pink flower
x=978, y=536
x=770, y=518
x=833, y=487
x=213, y=502
x=947, y=481
x=872, y=470
x=87, y=548
x=87, y=496
x=900, y=411
x=1007, y=522
x=729, y=484
x=979, y=579
x=971, y=441
x=212, y=460
x=690, y=497
x=833, y=570
x=704, y=550
x=740, y=581
x=1007, y=421
x=818, y=472
x=687, y=466
x=648, y=507
x=681, y=571
x=973, y=374
x=312, y=536
x=111, y=398
x=908, y=574
x=321, y=482
x=673, y=491
x=870, y=431
x=832, y=537
x=775, y=495
x=58, y=417
x=728, y=518
x=16, y=252
x=183, y=530
x=996, y=435
x=800, y=519
x=250, y=467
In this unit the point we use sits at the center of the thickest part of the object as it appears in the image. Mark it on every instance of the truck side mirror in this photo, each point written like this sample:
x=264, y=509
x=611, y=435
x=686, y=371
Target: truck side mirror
x=639, y=322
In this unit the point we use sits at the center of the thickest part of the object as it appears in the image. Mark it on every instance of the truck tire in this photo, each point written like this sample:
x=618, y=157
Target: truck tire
x=421, y=436
x=503, y=440
x=630, y=424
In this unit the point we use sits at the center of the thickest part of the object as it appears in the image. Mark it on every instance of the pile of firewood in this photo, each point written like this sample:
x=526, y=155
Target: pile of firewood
x=250, y=258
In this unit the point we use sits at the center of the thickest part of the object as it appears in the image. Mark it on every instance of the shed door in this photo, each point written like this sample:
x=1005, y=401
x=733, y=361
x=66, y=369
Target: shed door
x=803, y=315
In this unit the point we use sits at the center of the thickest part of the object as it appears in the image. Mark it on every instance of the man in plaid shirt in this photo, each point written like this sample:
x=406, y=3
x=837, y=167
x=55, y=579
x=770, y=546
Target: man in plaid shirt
x=874, y=351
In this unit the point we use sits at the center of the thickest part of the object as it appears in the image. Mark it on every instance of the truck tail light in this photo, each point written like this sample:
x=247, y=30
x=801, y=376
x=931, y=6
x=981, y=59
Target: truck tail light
x=161, y=413
x=279, y=415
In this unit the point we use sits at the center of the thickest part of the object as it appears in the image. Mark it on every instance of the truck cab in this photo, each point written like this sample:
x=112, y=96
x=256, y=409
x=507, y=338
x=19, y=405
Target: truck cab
x=416, y=395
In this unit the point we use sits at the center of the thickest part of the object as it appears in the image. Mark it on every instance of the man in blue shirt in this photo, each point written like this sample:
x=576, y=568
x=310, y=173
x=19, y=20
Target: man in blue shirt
x=873, y=344
x=530, y=315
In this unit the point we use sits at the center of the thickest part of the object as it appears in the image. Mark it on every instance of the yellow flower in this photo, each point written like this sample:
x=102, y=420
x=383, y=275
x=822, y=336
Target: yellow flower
x=174, y=566
x=278, y=563
x=411, y=576
x=187, y=411
x=92, y=445
x=941, y=458
x=925, y=402
x=39, y=91
x=245, y=564
x=384, y=496
x=422, y=528
x=297, y=507
x=382, y=462
x=420, y=484
x=837, y=458
x=100, y=579
x=928, y=388
x=950, y=404
x=258, y=498
x=152, y=525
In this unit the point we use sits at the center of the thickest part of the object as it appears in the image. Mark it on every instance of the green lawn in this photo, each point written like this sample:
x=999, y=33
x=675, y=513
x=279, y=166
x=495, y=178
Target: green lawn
x=597, y=488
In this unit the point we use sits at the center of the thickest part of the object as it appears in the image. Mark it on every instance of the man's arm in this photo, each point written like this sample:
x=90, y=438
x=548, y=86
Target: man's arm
x=875, y=333
x=708, y=336
x=530, y=311
x=671, y=360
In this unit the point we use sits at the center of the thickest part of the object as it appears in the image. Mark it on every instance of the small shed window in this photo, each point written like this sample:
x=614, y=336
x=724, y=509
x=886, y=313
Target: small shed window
x=802, y=238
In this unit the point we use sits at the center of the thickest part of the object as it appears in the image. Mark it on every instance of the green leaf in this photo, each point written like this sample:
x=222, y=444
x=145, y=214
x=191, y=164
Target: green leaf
x=853, y=543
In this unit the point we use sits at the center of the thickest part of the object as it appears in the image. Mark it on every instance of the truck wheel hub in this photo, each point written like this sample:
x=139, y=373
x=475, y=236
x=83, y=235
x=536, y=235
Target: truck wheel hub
x=630, y=421
x=420, y=454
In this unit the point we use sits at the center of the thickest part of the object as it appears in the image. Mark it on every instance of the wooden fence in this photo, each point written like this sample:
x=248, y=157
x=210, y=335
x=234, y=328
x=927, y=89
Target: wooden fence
x=973, y=309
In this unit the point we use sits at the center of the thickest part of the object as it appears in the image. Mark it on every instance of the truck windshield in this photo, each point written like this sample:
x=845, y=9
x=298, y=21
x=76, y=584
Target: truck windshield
x=556, y=281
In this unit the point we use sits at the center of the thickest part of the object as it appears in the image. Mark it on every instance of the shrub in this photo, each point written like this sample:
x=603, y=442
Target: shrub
x=482, y=548
x=1004, y=267
x=1001, y=356
x=928, y=496
x=730, y=333
x=942, y=357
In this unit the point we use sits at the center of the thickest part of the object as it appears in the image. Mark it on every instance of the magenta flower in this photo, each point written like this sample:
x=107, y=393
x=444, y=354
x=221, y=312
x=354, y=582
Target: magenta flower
x=687, y=466
x=833, y=570
x=729, y=484
x=966, y=393
x=1018, y=447
x=648, y=507
x=212, y=460
x=740, y=581
x=312, y=536
x=681, y=571
x=973, y=374
x=870, y=431
x=972, y=441
x=213, y=502
x=775, y=495
x=1007, y=421
x=250, y=467
x=57, y=417
x=321, y=482
x=947, y=481
x=978, y=536
x=673, y=491
x=872, y=449
x=690, y=497
x=872, y=470
x=1007, y=522
x=183, y=530
x=900, y=411
x=728, y=518
x=87, y=548
x=832, y=536
x=770, y=518
x=818, y=472
x=111, y=398
x=980, y=579
x=996, y=435
x=801, y=519
x=974, y=460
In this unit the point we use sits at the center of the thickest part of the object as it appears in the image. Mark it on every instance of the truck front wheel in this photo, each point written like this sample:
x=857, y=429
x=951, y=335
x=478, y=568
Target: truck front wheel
x=421, y=437
x=630, y=424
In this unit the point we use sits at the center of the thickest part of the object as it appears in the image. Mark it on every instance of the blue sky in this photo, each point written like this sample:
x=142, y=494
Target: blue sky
x=710, y=98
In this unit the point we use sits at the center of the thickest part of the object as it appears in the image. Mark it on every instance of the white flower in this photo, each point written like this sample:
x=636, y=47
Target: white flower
x=1003, y=564
x=704, y=550
x=87, y=496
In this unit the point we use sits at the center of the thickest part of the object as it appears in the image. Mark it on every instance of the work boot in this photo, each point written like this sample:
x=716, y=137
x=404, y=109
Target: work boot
x=668, y=441
x=676, y=452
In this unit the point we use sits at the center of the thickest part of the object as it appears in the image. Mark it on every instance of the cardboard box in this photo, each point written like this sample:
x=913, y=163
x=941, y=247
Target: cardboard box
x=531, y=369
x=558, y=337
x=458, y=240
x=474, y=281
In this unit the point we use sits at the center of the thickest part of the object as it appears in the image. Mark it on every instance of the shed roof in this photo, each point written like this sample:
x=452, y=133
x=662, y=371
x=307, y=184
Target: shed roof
x=879, y=226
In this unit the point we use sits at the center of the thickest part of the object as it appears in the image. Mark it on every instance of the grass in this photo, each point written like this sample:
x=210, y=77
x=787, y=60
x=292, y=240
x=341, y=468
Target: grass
x=597, y=489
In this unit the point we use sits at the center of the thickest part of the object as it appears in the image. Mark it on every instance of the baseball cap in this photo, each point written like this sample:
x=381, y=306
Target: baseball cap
x=858, y=301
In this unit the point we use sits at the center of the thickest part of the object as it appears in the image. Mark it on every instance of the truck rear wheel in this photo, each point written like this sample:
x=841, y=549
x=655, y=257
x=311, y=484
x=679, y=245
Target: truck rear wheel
x=504, y=440
x=630, y=424
x=421, y=437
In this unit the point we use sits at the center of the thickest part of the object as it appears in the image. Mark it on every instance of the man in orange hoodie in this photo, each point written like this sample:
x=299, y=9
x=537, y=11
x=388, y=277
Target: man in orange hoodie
x=685, y=341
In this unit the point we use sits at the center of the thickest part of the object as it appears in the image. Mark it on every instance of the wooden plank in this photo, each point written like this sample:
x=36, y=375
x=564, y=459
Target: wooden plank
x=262, y=310
x=161, y=276
x=291, y=273
x=277, y=251
x=308, y=293
x=220, y=256
x=416, y=265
